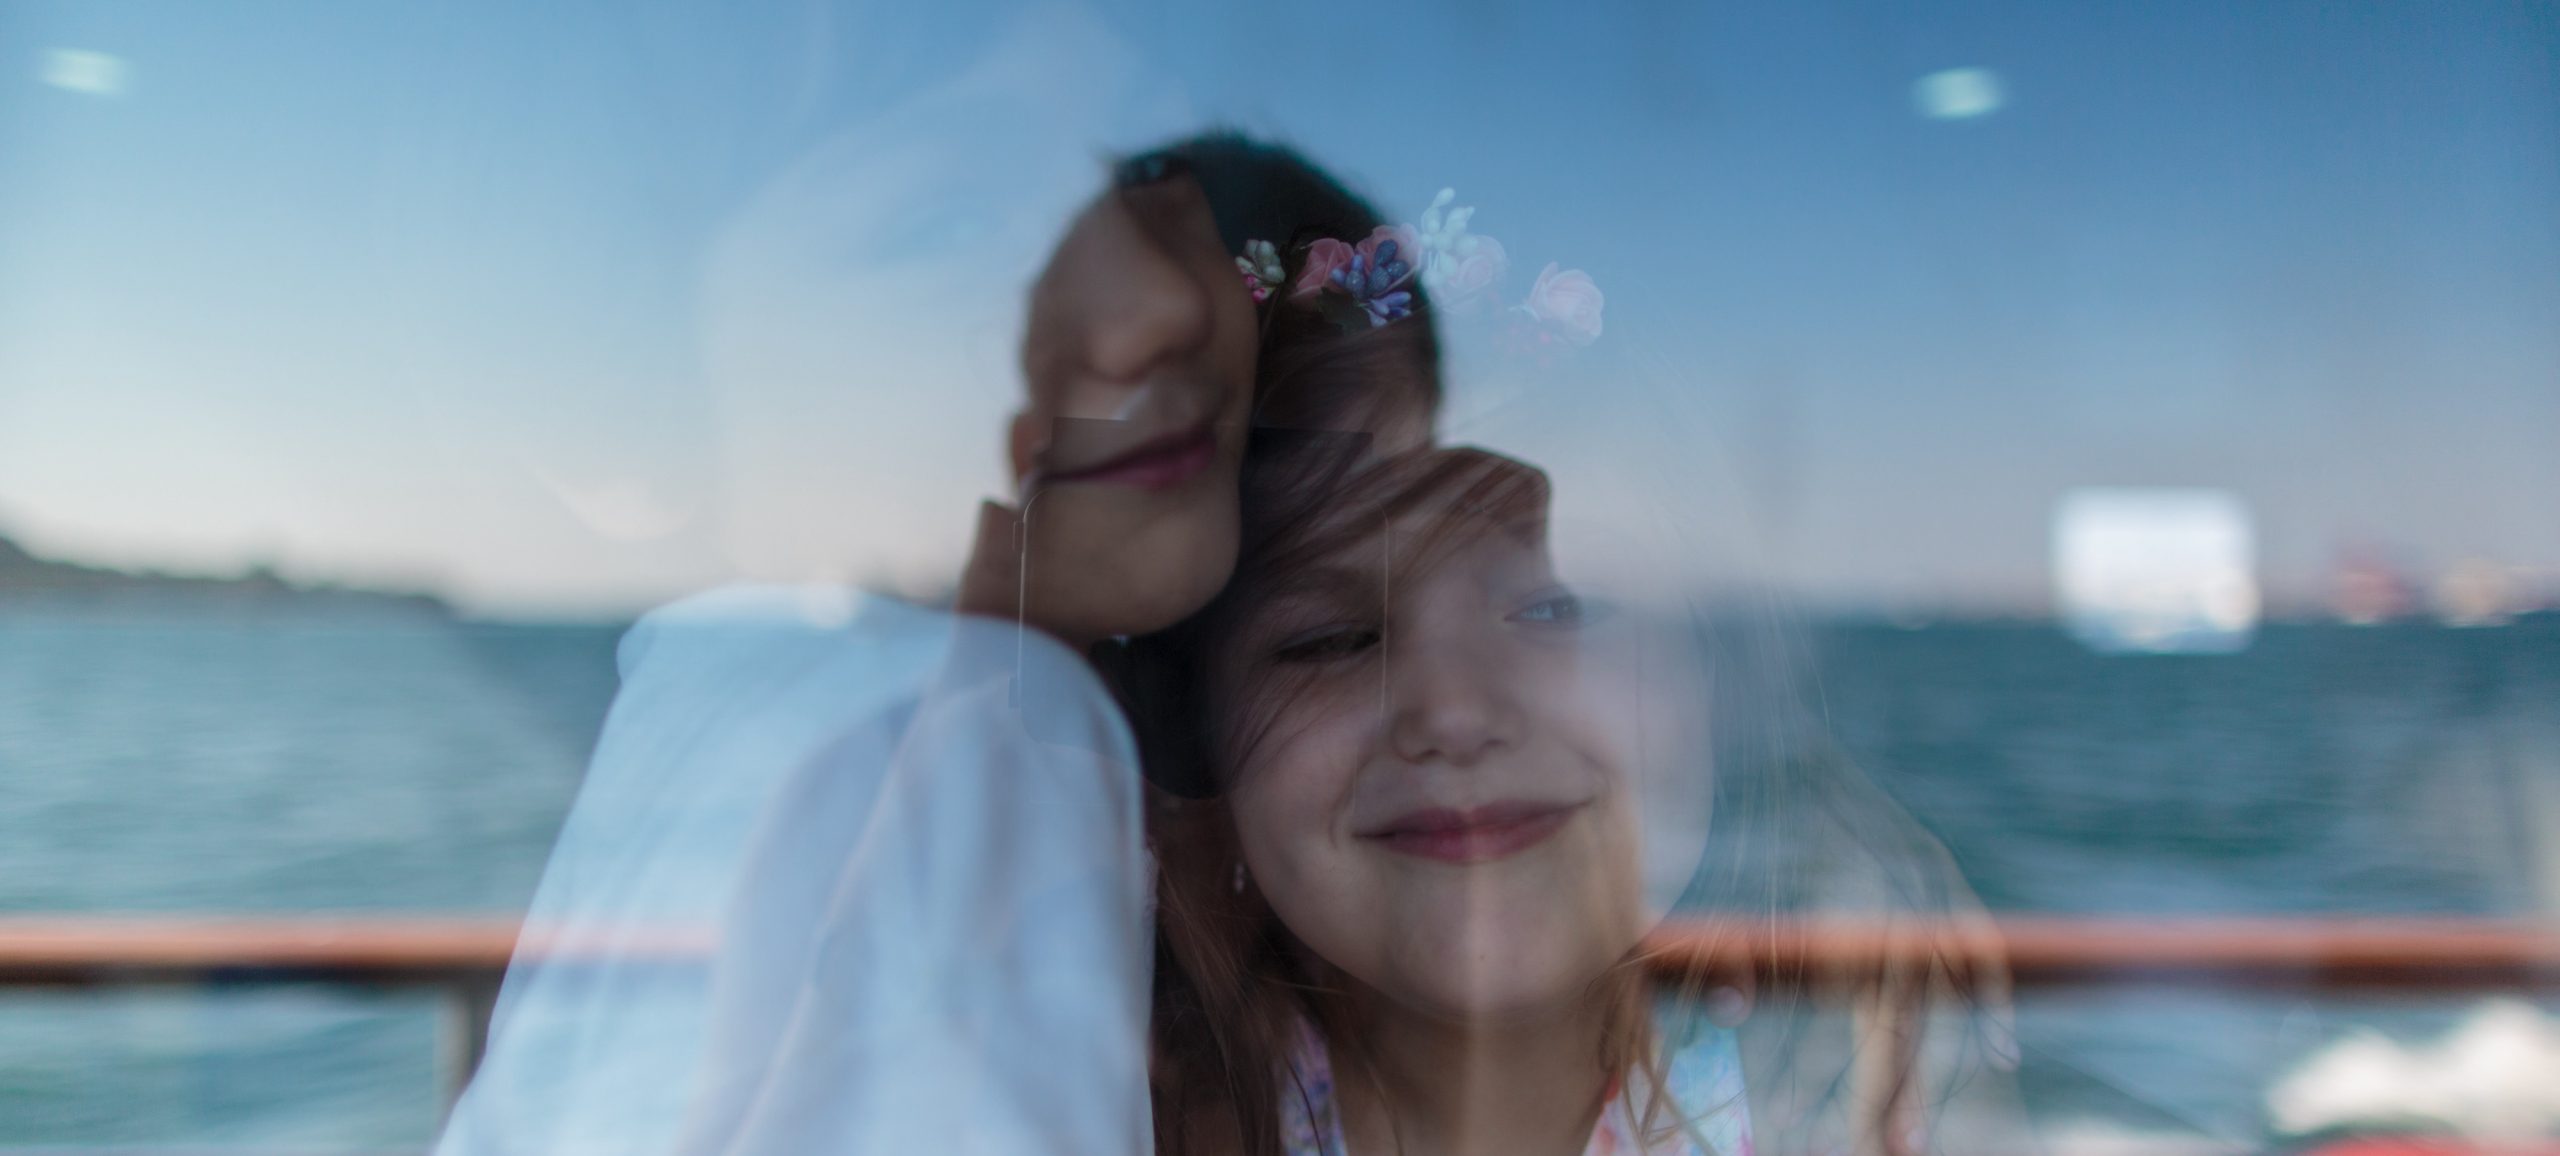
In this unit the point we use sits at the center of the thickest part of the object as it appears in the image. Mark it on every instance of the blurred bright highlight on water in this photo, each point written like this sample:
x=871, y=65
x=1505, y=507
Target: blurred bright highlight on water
x=2155, y=571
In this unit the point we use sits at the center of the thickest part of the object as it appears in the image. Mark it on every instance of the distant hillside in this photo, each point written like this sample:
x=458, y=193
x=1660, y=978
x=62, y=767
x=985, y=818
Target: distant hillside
x=25, y=577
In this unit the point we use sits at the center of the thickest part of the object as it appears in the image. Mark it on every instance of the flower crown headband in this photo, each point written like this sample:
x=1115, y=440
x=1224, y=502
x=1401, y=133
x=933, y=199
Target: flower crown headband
x=1372, y=281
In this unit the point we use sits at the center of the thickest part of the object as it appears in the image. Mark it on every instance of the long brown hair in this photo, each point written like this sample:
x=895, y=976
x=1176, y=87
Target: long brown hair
x=1321, y=396
x=1232, y=982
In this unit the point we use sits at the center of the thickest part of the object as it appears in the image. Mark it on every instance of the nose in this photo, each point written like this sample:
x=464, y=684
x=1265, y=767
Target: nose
x=1143, y=308
x=1449, y=703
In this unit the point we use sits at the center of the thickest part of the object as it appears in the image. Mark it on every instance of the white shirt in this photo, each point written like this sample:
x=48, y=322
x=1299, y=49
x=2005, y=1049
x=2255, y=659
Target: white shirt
x=918, y=837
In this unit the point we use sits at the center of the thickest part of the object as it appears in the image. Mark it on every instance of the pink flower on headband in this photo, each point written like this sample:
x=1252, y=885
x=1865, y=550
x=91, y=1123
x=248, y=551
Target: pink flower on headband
x=1382, y=277
x=1327, y=256
x=1568, y=302
x=1323, y=258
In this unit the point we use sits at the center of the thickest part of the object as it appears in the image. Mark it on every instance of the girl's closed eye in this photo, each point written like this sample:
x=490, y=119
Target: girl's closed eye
x=1330, y=643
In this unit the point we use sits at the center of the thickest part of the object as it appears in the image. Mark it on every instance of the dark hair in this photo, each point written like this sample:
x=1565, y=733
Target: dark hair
x=1257, y=190
x=1322, y=394
x=1311, y=374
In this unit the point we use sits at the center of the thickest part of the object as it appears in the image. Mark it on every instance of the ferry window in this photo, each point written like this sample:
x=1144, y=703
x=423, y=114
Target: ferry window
x=2090, y=468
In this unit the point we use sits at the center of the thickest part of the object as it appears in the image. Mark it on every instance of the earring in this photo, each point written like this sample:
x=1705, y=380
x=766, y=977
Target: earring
x=1239, y=880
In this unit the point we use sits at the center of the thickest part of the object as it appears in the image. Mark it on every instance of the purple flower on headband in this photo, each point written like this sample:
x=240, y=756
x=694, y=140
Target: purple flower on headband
x=1391, y=307
x=1377, y=273
x=1398, y=244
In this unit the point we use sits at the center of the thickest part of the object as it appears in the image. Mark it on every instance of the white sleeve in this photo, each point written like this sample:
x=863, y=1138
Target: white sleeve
x=919, y=840
x=977, y=978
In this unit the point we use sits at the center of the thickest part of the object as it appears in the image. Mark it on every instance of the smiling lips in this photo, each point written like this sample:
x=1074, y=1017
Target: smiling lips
x=1156, y=464
x=1474, y=834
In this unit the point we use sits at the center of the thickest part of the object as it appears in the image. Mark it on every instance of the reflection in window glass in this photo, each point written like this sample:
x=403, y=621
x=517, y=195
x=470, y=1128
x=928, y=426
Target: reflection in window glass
x=2080, y=473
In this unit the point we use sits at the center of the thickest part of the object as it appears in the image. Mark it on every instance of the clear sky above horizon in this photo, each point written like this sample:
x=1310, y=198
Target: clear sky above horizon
x=569, y=308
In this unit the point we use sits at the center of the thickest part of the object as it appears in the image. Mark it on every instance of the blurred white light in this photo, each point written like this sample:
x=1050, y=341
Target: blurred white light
x=80, y=70
x=2155, y=571
x=1958, y=94
x=2494, y=1078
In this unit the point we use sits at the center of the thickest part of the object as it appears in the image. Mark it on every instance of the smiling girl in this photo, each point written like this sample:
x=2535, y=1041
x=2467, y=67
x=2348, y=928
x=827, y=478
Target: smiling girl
x=1406, y=921
x=1436, y=786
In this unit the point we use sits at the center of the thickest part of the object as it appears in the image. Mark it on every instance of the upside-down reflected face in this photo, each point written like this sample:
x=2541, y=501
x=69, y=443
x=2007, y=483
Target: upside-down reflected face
x=1429, y=755
x=1139, y=354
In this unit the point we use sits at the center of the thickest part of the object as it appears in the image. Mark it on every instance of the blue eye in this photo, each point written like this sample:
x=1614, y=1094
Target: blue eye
x=1556, y=608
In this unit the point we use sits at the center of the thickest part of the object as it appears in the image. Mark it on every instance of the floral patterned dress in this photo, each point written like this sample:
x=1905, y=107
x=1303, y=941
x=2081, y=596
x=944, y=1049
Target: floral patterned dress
x=1704, y=1080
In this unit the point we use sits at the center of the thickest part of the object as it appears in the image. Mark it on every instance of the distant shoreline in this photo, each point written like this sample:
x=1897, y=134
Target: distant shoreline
x=28, y=580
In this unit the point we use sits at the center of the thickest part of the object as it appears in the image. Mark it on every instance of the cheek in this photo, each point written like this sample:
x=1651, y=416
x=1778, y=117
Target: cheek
x=1616, y=890
x=1595, y=724
x=1235, y=318
x=1646, y=725
x=1598, y=889
x=1237, y=361
x=1189, y=539
x=1597, y=750
x=1292, y=769
x=1288, y=798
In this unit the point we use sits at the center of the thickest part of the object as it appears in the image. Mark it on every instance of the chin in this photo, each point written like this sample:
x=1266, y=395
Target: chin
x=1496, y=972
x=1510, y=989
x=1141, y=561
x=1174, y=574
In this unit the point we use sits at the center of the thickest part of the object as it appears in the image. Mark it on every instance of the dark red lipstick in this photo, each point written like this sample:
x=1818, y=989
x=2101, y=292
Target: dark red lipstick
x=1472, y=834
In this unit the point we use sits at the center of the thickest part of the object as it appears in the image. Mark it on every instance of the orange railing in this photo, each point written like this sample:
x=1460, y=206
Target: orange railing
x=2042, y=952
x=463, y=959
x=2039, y=952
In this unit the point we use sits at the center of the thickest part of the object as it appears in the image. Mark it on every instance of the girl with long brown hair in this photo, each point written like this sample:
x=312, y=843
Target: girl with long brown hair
x=1426, y=781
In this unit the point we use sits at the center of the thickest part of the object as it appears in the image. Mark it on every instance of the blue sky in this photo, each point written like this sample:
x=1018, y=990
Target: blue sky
x=571, y=307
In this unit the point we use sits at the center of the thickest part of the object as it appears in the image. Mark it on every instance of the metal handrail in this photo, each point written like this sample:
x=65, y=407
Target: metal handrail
x=2038, y=950
x=464, y=958
x=2329, y=953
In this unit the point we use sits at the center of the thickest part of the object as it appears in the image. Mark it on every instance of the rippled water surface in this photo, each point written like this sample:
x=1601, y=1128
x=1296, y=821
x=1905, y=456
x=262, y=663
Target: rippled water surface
x=167, y=762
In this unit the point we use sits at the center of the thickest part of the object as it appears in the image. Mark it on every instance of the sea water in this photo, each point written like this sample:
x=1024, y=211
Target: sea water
x=174, y=761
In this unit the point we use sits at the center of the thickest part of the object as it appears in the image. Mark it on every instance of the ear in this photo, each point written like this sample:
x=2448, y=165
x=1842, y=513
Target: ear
x=1024, y=441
